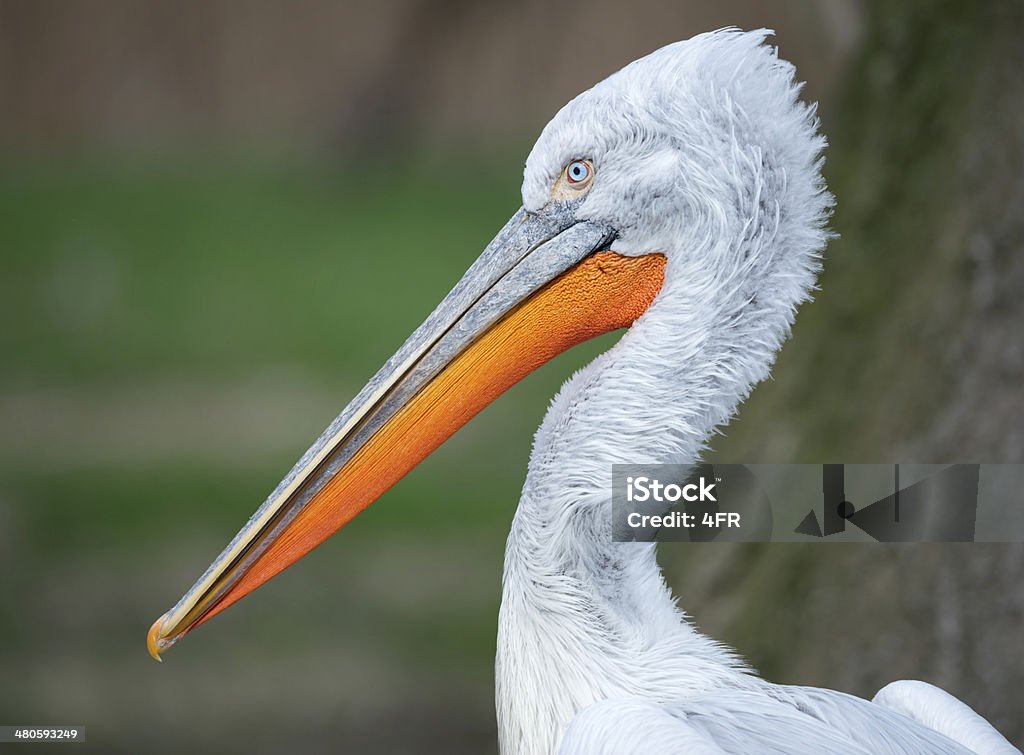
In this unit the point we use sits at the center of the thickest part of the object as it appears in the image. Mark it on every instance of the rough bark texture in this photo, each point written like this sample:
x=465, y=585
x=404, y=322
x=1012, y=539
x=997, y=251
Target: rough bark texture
x=912, y=352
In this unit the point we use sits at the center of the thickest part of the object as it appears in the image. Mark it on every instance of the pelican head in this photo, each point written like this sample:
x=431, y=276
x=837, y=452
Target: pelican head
x=703, y=152
x=683, y=193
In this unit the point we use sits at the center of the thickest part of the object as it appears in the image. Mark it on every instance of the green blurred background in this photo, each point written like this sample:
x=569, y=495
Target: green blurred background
x=218, y=219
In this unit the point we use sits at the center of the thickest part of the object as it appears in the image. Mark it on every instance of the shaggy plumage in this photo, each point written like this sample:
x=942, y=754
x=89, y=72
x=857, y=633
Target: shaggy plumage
x=704, y=152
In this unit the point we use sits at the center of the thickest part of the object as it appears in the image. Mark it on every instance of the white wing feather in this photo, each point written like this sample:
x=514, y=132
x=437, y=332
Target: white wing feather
x=939, y=710
x=786, y=720
x=633, y=727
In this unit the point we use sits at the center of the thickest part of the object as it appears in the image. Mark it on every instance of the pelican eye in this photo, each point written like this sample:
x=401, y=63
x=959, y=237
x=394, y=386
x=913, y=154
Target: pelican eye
x=579, y=173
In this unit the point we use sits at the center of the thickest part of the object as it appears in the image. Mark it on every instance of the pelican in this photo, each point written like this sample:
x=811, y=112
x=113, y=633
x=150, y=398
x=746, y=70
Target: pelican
x=680, y=199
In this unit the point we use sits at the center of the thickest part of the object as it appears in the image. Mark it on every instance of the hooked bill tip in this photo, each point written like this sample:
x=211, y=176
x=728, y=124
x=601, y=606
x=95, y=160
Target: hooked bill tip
x=153, y=639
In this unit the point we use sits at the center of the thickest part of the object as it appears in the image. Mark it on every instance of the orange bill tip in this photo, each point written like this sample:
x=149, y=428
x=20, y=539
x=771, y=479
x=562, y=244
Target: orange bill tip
x=153, y=640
